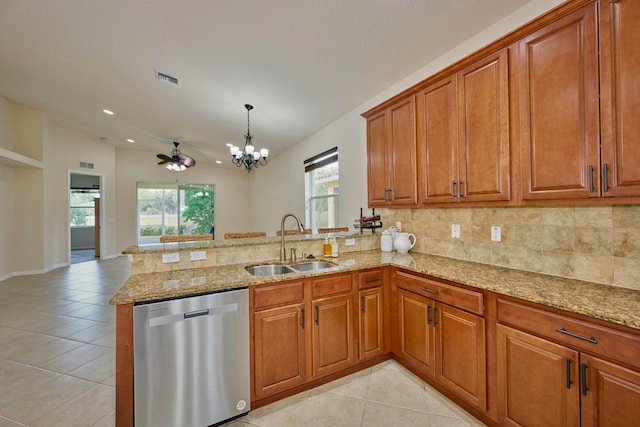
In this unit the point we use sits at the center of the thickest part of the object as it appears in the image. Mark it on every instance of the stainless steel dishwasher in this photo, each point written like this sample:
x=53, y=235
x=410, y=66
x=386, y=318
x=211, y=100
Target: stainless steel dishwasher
x=191, y=360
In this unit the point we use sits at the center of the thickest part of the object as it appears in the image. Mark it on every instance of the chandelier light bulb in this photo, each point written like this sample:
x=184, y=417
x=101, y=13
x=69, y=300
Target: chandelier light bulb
x=264, y=153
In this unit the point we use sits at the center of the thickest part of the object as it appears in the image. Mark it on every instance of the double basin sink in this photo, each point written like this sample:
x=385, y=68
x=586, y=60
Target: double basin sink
x=299, y=267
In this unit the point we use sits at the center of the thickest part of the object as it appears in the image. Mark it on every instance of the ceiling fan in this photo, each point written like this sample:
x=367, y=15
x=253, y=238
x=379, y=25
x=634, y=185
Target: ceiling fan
x=177, y=161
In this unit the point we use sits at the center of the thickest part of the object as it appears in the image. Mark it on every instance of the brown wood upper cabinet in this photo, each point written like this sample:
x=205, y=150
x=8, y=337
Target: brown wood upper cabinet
x=463, y=134
x=391, y=155
x=620, y=97
x=558, y=108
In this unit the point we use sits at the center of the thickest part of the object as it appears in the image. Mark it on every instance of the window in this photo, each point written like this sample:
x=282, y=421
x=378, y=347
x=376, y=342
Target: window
x=321, y=190
x=172, y=209
x=82, y=207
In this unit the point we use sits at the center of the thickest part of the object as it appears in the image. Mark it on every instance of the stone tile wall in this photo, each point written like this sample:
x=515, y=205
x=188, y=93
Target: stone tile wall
x=595, y=243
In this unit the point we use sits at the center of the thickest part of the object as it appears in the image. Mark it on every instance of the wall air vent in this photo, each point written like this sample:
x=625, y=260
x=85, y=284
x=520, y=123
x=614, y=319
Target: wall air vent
x=86, y=165
x=167, y=79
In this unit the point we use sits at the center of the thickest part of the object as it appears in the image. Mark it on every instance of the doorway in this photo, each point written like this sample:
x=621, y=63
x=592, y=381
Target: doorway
x=84, y=217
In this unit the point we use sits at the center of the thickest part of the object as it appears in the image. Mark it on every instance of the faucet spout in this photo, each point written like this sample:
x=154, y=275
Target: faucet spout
x=283, y=254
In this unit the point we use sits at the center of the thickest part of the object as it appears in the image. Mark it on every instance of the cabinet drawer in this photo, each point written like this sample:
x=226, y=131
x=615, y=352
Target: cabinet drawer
x=370, y=279
x=577, y=334
x=330, y=285
x=457, y=297
x=278, y=294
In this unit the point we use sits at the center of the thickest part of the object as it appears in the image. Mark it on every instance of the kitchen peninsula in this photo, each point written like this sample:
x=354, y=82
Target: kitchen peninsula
x=507, y=298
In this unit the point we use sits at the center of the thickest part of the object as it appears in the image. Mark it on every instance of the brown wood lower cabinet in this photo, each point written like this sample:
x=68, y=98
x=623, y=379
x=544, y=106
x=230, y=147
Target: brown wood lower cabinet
x=370, y=325
x=442, y=341
x=279, y=348
x=333, y=334
x=556, y=378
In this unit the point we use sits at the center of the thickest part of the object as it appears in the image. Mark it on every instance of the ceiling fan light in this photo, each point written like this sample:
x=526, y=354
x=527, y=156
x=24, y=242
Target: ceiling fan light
x=182, y=167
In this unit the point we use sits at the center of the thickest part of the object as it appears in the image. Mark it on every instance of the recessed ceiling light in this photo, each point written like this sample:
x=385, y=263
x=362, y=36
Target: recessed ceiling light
x=218, y=162
x=130, y=140
x=109, y=112
x=229, y=144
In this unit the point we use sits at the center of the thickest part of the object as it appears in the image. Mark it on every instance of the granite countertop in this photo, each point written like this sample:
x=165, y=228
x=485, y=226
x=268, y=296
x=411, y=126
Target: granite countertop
x=610, y=303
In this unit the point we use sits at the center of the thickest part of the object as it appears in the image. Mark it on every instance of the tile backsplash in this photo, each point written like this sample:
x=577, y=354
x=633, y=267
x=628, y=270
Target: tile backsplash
x=595, y=243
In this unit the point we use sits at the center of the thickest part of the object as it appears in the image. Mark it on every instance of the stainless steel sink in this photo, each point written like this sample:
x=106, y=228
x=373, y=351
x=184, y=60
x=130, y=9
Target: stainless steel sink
x=313, y=265
x=299, y=267
x=269, y=269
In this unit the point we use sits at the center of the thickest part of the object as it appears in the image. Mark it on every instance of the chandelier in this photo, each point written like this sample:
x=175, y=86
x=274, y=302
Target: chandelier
x=249, y=158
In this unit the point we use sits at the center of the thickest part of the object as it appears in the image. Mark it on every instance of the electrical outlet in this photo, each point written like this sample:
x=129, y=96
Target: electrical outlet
x=496, y=235
x=455, y=231
x=172, y=257
x=197, y=255
x=350, y=242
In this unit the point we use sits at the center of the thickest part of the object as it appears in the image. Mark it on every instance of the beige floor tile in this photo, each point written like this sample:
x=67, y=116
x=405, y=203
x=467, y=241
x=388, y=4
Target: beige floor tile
x=75, y=358
x=94, y=332
x=354, y=385
x=16, y=378
x=395, y=386
x=45, y=352
x=107, y=421
x=84, y=410
x=35, y=402
x=380, y=415
x=85, y=311
x=25, y=345
x=98, y=370
x=8, y=334
x=70, y=328
x=8, y=423
x=106, y=341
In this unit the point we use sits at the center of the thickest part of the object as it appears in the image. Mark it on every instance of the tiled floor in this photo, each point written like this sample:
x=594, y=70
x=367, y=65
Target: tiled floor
x=57, y=338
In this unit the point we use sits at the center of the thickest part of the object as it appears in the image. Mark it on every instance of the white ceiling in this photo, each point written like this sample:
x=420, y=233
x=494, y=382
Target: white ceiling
x=301, y=63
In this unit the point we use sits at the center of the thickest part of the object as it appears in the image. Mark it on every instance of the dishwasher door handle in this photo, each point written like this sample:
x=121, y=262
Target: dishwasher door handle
x=181, y=317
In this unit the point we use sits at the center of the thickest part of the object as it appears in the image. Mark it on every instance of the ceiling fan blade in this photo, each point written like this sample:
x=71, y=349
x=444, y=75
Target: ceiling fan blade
x=186, y=160
x=164, y=157
x=162, y=162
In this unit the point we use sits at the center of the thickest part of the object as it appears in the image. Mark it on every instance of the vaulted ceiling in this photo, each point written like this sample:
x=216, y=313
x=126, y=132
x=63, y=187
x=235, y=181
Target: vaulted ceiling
x=301, y=63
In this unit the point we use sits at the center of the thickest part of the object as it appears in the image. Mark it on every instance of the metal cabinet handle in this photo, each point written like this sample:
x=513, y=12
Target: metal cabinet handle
x=317, y=315
x=585, y=389
x=362, y=303
x=569, y=382
x=592, y=340
x=591, y=185
x=302, y=317
x=605, y=177
x=431, y=291
x=460, y=191
x=435, y=316
x=371, y=280
x=428, y=314
x=453, y=189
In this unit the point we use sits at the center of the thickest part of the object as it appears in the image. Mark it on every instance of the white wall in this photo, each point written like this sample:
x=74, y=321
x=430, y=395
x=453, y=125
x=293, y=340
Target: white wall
x=6, y=189
x=281, y=183
x=231, y=192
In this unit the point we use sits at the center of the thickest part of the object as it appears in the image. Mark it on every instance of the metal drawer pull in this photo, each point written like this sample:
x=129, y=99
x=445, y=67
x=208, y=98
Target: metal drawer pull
x=375, y=279
x=569, y=382
x=431, y=291
x=571, y=334
x=585, y=389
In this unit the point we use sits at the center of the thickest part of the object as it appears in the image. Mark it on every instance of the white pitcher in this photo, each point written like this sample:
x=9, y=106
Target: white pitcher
x=402, y=242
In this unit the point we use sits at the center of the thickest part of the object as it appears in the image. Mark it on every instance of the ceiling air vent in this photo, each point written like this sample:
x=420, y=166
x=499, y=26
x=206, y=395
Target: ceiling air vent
x=167, y=79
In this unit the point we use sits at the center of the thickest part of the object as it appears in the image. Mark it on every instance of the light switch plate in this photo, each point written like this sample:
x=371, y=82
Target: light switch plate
x=455, y=231
x=172, y=257
x=197, y=255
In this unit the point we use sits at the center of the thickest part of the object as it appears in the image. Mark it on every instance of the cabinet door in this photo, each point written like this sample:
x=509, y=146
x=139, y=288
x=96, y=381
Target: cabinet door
x=279, y=349
x=377, y=159
x=483, y=117
x=461, y=354
x=558, y=109
x=620, y=97
x=370, y=325
x=416, y=336
x=612, y=394
x=333, y=347
x=402, y=154
x=537, y=381
x=438, y=142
